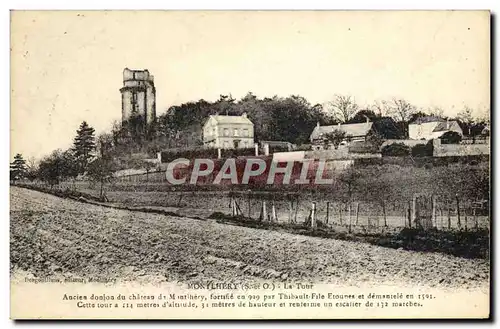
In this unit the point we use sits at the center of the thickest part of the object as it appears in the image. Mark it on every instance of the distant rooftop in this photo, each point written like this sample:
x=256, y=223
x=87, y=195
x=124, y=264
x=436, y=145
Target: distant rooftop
x=352, y=129
x=231, y=118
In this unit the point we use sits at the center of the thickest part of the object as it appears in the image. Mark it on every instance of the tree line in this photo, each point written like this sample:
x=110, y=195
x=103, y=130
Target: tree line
x=289, y=119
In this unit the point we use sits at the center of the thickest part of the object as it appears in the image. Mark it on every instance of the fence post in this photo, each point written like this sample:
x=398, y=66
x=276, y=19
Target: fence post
x=475, y=217
x=434, y=220
x=357, y=213
x=264, y=211
x=273, y=213
x=290, y=211
x=327, y=211
x=349, y=214
x=296, y=210
x=219, y=153
x=458, y=212
x=313, y=214
x=414, y=210
x=249, y=206
x=233, y=207
x=409, y=214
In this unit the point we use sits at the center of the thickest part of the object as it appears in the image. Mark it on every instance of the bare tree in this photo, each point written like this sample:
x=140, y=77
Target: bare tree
x=342, y=108
x=402, y=111
x=381, y=108
x=466, y=115
x=436, y=111
x=484, y=115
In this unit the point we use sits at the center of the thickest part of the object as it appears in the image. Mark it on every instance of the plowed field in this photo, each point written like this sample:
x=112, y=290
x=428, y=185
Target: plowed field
x=54, y=236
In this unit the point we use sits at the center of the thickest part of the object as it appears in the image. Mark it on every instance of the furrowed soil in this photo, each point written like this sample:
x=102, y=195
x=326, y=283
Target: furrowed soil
x=55, y=236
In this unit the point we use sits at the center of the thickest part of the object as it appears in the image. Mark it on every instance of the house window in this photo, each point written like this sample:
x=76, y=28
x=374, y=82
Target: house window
x=226, y=144
x=226, y=132
x=245, y=132
x=235, y=132
x=213, y=131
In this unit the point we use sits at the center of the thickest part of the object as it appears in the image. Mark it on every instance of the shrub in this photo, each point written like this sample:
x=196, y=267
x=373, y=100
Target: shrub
x=172, y=154
x=450, y=137
x=422, y=150
x=396, y=149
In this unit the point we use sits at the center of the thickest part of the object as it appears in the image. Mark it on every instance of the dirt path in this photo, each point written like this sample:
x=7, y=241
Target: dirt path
x=54, y=236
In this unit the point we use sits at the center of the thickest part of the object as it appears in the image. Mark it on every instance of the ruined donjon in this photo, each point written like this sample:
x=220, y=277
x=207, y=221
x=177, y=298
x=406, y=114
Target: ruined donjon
x=138, y=96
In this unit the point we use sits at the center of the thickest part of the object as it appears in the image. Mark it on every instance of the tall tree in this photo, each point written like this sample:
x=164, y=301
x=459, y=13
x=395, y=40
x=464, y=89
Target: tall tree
x=381, y=108
x=101, y=170
x=31, y=168
x=436, y=111
x=465, y=116
x=402, y=111
x=84, y=145
x=342, y=107
x=18, y=168
x=58, y=166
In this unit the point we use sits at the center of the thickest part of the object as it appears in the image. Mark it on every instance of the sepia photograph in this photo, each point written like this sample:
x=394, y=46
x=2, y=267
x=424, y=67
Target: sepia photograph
x=177, y=164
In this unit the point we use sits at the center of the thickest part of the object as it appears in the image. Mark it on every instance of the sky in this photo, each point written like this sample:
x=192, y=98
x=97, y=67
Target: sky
x=66, y=66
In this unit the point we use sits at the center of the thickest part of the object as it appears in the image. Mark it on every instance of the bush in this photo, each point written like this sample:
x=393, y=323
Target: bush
x=450, y=137
x=170, y=155
x=396, y=149
x=422, y=150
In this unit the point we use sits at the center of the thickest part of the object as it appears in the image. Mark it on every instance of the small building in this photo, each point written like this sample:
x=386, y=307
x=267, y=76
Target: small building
x=228, y=131
x=281, y=146
x=486, y=130
x=422, y=129
x=354, y=132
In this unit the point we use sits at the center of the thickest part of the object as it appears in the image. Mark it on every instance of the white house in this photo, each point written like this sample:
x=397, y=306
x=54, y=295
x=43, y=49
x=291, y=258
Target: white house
x=354, y=132
x=427, y=130
x=228, y=131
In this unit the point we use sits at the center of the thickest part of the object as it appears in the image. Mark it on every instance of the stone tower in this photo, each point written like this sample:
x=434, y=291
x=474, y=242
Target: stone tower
x=138, y=96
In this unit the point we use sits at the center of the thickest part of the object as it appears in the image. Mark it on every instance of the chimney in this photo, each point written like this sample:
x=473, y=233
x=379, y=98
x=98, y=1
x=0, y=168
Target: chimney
x=338, y=124
x=317, y=124
x=244, y=114
x=447, y=123
x=367, y=119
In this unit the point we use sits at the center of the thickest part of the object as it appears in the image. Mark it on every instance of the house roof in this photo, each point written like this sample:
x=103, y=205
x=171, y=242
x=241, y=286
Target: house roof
x=352, y=129
x=435, y=129
x=231, y=119
x=438, y=125
x=428, y=119
x=443, y=126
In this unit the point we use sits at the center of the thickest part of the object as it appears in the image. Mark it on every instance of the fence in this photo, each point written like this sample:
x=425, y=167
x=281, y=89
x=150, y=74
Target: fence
x=443, y=150
x=423, y=211
x=354, y=216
